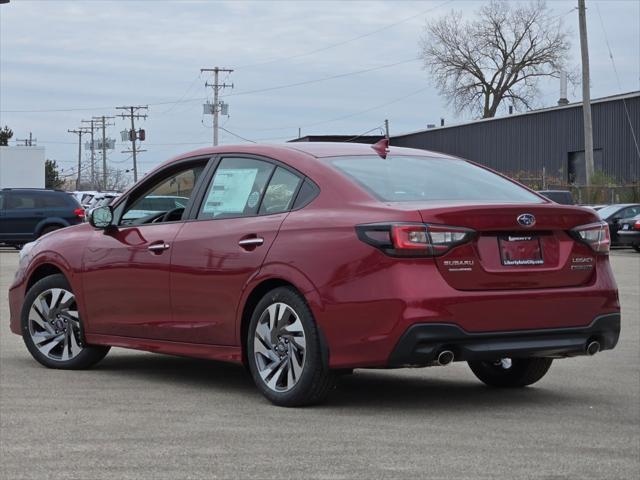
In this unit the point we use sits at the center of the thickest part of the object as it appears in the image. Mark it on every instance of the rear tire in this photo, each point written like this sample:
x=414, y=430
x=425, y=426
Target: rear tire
x=511, y=373
x=284, y=351
x=52, y=329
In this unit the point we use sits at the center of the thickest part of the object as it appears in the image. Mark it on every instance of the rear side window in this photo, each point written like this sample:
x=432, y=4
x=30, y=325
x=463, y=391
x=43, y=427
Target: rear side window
x=18, y=200
x=236, y=188
x=409, y=179
x=280, y=192
x=308, y=191
x=52, y=200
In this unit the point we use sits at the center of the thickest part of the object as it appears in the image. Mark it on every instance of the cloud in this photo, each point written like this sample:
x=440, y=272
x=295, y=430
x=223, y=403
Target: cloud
x=102, y=53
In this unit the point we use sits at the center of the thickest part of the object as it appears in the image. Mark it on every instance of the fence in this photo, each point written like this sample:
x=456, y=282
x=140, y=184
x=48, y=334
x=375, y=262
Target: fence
x=593, y=195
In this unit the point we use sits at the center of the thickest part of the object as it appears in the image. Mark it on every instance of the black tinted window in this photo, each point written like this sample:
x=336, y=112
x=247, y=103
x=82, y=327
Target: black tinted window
x=308, y=191
x=20, y=200
x=52, y=200
x=279, y=194
x=408, y=179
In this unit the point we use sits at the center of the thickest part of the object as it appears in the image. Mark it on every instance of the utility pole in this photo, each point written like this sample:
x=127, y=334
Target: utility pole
x=586, y=93
x=216, y=89
x=133, y=135
x=93, y=151
x=79, y=132
x=104, y=124
x=28, y=142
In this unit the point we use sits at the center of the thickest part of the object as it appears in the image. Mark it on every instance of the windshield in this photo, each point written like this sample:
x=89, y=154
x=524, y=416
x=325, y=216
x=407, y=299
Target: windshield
x=608, y=211
x=408, y=179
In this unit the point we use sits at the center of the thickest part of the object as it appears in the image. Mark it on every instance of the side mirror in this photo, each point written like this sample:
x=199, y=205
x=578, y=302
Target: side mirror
x=101, y=217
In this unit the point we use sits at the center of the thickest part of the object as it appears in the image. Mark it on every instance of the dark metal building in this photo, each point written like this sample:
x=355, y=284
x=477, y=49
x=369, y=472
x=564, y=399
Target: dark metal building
x=339, y=138
x=552, y=139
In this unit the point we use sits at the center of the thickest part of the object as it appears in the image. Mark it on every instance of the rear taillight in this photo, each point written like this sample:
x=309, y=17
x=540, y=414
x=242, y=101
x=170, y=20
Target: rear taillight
x=413, y=239
x=596, y=235
x=636, y=226
x=79, y=212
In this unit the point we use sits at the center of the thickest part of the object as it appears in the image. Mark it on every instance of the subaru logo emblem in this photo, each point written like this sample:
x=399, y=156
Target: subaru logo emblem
x=526, y=220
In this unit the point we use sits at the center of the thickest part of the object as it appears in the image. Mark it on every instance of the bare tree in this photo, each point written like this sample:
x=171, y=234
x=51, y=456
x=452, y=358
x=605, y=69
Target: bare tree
x=499, y=55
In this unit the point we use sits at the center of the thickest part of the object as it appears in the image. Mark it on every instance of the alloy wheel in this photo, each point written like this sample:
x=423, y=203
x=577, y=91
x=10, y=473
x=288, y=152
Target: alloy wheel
x=54, y=324
x=279, y=347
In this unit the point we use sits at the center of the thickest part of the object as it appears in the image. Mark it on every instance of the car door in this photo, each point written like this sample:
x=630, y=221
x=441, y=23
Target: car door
x=615, y=222
x=225, y=244
x=22, y=215
x=126, y=269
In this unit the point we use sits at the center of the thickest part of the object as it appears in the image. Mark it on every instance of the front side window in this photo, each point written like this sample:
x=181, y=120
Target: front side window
x=165, y=200
x=410, y=179
x=236, y=188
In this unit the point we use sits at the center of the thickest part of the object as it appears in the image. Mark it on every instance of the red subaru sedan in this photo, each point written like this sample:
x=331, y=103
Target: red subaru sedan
x=305, y=261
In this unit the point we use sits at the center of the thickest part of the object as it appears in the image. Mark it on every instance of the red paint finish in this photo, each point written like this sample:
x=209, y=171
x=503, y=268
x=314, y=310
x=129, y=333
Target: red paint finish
x=209, y=271
x=189, y=299
x=125, y=285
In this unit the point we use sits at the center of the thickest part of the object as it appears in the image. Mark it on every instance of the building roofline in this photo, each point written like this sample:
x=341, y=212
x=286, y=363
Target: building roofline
x=610, y=98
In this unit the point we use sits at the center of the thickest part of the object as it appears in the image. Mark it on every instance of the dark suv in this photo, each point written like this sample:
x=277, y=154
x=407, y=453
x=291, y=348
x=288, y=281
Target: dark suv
x=28, y=213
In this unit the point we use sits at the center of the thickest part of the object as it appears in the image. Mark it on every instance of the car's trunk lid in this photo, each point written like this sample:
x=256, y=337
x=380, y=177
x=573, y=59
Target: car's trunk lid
x=508, y=254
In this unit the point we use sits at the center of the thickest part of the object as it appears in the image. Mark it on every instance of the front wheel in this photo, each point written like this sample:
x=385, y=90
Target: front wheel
x=636, y=248
x=52, y=329
x=508, y=372
x=284, y=351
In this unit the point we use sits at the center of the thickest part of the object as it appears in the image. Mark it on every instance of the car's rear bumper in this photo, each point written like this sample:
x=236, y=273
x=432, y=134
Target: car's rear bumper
x=628, y=238
x=422, y=343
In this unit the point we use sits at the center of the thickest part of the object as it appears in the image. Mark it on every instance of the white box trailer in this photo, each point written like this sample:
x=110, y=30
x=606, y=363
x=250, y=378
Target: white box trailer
x=22, y=167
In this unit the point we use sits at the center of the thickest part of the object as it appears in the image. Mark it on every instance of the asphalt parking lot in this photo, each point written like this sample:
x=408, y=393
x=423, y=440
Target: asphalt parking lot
x=142, y=415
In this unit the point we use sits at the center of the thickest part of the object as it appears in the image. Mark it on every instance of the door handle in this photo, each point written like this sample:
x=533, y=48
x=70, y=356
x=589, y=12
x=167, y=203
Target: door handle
x=251, y=242
x=158, y=247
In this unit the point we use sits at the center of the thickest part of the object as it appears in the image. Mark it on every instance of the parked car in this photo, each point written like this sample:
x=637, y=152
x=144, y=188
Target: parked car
x=106, y=200
x=629, y=232
x=613, y=214
x=99, y=198
x=27, y=214
x=563, y=197
x=308, y=260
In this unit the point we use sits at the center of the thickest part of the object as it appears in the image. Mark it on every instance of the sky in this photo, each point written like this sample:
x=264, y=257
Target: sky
x=62, y=61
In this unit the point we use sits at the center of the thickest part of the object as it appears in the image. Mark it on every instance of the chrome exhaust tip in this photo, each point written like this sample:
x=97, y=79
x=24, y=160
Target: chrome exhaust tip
x=593, y=347
x=445, y=357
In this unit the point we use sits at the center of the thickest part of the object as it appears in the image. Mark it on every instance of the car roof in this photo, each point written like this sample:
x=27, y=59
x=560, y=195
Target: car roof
x=34, y=190
x=314, y=149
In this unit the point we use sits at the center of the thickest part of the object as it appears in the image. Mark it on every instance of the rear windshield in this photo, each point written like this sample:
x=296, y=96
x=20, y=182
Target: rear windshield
x=408, y=179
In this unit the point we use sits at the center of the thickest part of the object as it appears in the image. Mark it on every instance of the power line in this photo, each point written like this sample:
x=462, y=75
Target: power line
x=379, y=128
x=344, y=42
x=350, y=115
x=193, y=99
x=323, y=79
x=237, y=136
x=187, y=91
x=615, y=70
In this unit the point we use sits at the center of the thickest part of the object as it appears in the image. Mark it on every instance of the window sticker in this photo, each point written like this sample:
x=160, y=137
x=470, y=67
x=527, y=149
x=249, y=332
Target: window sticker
x=253, y=199
x=230, y=190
